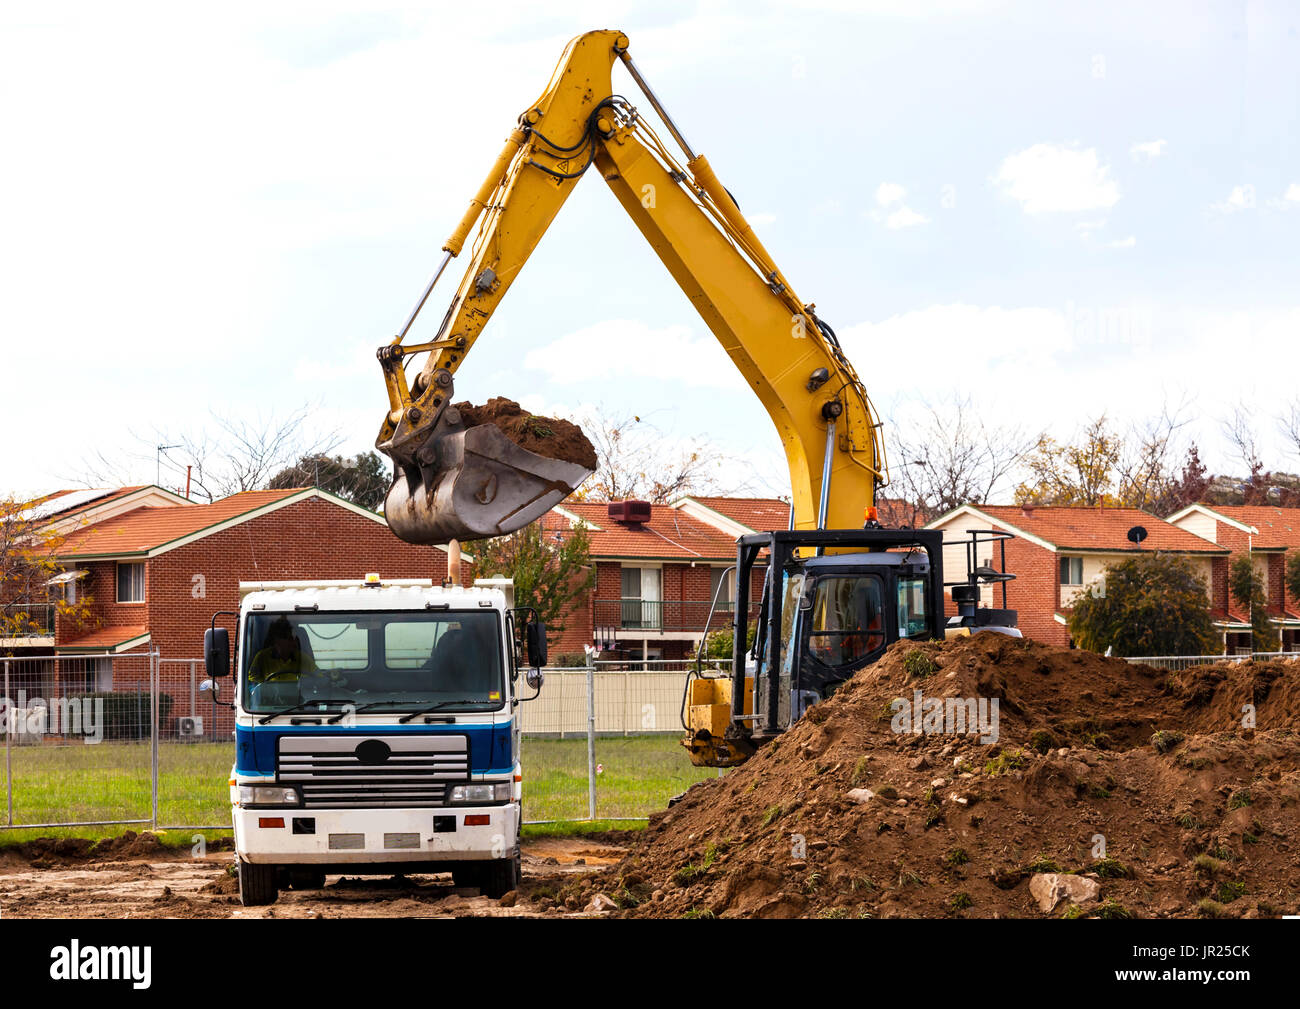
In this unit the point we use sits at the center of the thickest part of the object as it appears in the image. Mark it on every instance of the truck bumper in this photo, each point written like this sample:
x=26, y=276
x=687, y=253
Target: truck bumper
x=376, y=836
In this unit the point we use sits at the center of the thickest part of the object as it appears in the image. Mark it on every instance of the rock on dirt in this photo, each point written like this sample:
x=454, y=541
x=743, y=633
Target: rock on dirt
x=548, y=436
x=1050, y=888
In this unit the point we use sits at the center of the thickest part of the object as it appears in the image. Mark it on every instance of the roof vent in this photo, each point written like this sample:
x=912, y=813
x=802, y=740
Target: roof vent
x=632, y=513
x=1027, y=509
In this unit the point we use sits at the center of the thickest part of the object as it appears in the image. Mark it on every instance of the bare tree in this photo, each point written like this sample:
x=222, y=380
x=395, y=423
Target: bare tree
x=1239, y=429
x=1290, y=427
x=954, y=457
x=1154, y=470
x=635, y=460
x=228, y=454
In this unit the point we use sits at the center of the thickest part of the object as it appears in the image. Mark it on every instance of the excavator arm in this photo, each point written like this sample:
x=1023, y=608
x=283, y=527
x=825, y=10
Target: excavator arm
x=469, y=483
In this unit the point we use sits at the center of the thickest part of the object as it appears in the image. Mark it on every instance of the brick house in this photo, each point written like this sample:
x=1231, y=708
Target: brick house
x=656, y=579
x=1266, y=533
x=1058, y=552
x=56, y=516
x=157, y=572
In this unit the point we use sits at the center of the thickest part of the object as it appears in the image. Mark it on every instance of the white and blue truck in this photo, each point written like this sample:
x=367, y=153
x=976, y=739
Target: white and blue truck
x=376, y=730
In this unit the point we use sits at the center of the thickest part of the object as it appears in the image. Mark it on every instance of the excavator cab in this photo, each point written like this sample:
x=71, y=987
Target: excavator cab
x=832, y=602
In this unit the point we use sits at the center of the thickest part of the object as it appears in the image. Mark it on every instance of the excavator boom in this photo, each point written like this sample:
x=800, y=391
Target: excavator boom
x=470, y=483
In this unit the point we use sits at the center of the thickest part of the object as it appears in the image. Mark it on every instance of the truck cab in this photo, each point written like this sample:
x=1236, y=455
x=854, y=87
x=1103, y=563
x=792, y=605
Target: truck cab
x=375, y=731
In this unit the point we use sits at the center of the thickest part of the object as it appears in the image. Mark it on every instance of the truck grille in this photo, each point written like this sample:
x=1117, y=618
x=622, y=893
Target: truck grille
x=342, y=772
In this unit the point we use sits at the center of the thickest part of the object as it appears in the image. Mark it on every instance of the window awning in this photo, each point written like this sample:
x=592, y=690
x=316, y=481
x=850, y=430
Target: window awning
x=68, y=576
x=105, y=639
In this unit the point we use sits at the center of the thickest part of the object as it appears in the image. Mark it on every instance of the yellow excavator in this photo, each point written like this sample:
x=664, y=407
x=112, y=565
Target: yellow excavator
x=838, y=587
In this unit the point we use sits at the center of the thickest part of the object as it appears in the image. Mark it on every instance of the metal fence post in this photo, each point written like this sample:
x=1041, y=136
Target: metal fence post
x=154, y=686
x=591, y=741
x=9, y=760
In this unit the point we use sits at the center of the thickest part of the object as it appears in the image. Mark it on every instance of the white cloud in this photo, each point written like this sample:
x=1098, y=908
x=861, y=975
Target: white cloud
x=628, y=348
x=893, y=212
x=1148, y=150
x=1055, y=178
x=761, y=220
x=1123, y=243
x=889, y=193
x=904, y=217
x=1241, y=198
x=1289, y=200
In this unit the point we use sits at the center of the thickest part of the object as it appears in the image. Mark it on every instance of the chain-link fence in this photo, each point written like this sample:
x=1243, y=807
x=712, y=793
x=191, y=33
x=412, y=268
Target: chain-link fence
x=80, y=739
x=604, y=742
x=138, y=740
x=1177, y=662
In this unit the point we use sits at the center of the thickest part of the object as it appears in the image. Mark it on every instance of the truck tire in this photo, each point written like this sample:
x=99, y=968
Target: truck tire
x=500, y=876
x=257, y=884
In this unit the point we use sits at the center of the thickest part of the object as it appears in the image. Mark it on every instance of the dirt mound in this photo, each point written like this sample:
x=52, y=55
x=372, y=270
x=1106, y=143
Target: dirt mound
x=45, y=852
x=548, y=436
x=881, y=803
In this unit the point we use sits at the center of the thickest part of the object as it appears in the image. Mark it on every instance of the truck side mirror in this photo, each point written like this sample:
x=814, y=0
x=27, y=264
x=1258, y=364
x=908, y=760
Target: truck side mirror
x=216, y=652
x=535, y=632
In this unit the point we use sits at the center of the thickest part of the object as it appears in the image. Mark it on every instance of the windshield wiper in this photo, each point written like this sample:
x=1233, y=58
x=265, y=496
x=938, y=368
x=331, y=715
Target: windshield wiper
x=441, y=704
x=301, y=705
x=356, y=711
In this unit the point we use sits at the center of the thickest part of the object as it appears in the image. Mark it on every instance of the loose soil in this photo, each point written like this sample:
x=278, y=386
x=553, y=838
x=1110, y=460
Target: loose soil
x=548, y=436
x=135, y=876
x=1198, y=820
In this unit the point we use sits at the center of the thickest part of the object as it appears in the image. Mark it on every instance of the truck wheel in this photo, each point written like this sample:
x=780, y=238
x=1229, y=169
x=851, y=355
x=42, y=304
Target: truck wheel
x=306, y=879
x=500, y=876
x=257, y=884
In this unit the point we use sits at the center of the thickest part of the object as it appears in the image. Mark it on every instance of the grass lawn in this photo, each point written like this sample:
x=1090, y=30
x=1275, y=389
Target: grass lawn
x=638, y=775
x=111, y=781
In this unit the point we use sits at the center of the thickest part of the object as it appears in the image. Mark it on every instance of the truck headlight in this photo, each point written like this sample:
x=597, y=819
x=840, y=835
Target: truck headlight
x=498, y=792
x=268, y=795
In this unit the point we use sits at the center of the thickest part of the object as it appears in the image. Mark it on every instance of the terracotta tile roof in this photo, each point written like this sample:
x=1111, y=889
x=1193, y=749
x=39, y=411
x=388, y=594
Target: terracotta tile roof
x=1278, y=527
x=1229, y=617
x=759, y=514
x=670, y=534
x=145, y=529
x=1099, y=529
x=103, y=639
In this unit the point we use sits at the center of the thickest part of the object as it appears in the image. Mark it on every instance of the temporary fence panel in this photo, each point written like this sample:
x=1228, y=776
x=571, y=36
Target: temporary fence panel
x=80, y=740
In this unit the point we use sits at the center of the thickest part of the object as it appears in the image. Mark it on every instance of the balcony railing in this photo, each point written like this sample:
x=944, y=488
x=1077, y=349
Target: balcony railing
x=27, y=620
x=664, y=614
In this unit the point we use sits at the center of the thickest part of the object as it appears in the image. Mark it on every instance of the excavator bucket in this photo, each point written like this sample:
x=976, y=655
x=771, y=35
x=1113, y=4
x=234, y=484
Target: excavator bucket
x=472, y=484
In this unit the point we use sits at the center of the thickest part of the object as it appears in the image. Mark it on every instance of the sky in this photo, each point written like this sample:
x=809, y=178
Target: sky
x=1056, y=210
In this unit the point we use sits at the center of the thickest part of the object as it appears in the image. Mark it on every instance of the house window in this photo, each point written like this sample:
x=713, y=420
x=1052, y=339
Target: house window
x=642, y=605
x=726, y=577
x=130, y=583
x=1071, y=570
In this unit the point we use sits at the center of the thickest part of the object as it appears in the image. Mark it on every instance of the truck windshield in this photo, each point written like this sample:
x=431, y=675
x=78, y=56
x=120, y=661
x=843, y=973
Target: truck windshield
x=381, y=661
